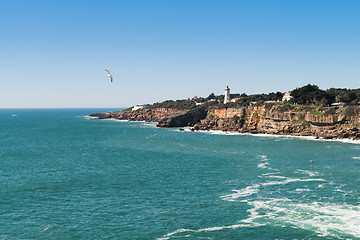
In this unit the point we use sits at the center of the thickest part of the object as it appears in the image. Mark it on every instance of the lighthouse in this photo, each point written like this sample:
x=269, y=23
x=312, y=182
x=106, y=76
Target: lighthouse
x=227, y=95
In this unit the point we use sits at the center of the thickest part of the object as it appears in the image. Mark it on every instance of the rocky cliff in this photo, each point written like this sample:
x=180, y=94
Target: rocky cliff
x=327, y=123
x=148, y=115
x=342, y=122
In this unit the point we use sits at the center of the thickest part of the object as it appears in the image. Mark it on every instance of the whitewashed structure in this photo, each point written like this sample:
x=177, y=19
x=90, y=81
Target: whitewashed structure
x=287, y=97
x=227, y=98
x=137, y=107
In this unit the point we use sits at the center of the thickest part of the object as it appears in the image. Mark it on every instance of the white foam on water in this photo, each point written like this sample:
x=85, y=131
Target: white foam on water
x=339, y=190
x=148, y=124
x=265, y=163
x=245, y=192
x=303, y=190
x=167, y=236
x=269, y=174
x=253, y=189
x=88, y=117
x=104, y=119
x=219, y=132
x=275, y=176
x=144, y=123
x=263, y=156
x=209, y=229
x=312, y=138
x=110, y=119
x=121, y=120
x=355, y=157
x=307, y=172
x=290, y=180
x=325, y=219
x=184, y=129
x=46, y=228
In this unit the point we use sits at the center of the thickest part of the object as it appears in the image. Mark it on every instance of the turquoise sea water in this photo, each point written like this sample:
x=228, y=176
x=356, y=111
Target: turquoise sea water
x=66, y=176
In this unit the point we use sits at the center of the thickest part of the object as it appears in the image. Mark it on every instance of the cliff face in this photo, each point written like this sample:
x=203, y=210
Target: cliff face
x=186, y=119
x=343, y=122
x=275, y=120
x=148, y=115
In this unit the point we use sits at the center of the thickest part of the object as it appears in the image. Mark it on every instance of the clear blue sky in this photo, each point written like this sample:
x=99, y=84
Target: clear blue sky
x=53, y=53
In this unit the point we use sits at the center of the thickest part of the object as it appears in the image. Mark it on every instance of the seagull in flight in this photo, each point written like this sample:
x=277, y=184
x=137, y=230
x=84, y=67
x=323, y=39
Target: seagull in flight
x=109, y=75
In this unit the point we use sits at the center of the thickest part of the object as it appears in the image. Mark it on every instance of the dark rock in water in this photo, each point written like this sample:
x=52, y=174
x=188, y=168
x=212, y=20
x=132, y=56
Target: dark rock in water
x=328, y=137
x=181, y=129
x=192, y=129
x=102, y=115
x=183, y=119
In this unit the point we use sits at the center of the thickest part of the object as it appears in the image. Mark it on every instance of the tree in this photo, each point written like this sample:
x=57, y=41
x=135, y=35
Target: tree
x=211, y=96
x=309, y=94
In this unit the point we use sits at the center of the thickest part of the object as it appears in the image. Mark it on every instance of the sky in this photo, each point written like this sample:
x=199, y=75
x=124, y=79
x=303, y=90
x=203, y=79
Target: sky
x=53, y=54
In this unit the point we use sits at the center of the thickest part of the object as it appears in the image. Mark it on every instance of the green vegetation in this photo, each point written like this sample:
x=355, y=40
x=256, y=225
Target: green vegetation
x=178, y=104
x=309, y=97
x=312, y=95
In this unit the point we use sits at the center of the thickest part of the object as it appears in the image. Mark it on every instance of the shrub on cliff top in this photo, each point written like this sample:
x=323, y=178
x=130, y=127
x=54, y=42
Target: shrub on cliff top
x=309, y=94
x=312, y=95
x=178, y=104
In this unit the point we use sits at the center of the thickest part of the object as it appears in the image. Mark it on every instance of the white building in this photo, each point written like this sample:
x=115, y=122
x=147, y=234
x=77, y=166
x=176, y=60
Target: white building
x=287, y=97
x=235, y=99
x=137, y=107
x=227, y=98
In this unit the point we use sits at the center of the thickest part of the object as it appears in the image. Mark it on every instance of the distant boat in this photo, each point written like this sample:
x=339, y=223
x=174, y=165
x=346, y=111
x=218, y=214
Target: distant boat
x=13, y=115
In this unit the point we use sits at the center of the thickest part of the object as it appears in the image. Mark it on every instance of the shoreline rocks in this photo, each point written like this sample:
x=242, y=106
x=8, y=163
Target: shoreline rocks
x=253, y=119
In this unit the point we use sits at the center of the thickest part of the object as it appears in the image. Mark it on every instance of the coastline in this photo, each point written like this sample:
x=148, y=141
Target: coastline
x=263, y=120
x=233, y=133
x=312, y=138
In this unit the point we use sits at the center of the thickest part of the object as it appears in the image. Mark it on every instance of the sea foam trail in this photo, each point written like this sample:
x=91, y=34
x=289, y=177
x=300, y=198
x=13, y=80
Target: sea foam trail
x=307, y=172
x=248, y=191
x=290, y=180
x=312, y=138
x=253, y=189
x=209, y=229
x=324, y=219
x=265, y=163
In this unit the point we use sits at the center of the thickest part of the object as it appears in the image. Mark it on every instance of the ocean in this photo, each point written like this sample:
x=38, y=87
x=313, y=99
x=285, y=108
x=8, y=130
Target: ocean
x=66, y=176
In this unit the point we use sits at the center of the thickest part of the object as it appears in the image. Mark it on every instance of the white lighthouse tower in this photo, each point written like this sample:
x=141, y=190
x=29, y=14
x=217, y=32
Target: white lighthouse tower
x=227, y=95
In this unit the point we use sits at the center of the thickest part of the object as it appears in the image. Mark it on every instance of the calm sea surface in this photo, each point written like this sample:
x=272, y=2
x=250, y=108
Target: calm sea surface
x=66, y=176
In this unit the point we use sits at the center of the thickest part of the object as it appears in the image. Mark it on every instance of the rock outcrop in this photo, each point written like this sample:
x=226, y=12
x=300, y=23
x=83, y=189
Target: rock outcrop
x=184, y=119
x=275, y=120
x=148, y=115
x=342, y=122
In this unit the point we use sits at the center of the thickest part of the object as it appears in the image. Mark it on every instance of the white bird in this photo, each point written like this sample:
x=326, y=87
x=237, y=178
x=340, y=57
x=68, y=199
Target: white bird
x=109, y=75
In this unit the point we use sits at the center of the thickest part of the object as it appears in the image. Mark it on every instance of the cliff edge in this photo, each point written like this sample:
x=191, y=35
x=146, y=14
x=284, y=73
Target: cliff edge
x=298, y=120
